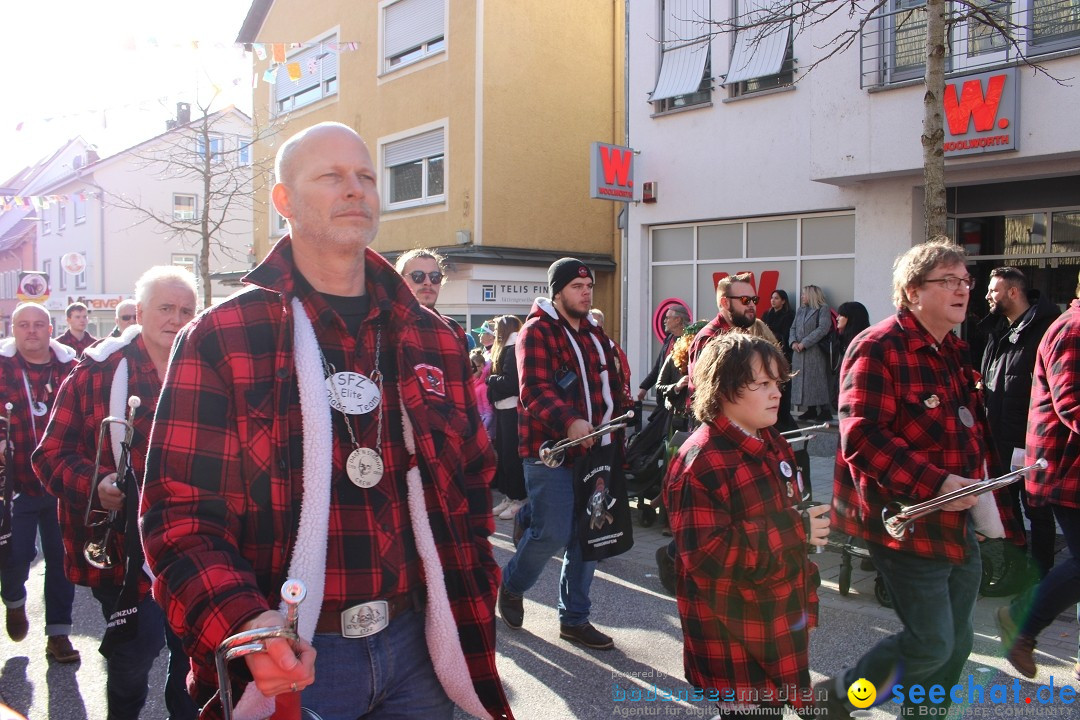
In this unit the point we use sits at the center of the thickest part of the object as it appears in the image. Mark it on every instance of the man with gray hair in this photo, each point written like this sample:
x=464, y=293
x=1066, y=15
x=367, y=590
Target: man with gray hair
x=115, y=369
x=676, y=318
x=912, y=427
x=31, y=369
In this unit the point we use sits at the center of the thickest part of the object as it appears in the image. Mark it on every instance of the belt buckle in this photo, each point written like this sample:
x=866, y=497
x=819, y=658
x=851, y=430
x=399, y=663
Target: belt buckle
x=365, y=619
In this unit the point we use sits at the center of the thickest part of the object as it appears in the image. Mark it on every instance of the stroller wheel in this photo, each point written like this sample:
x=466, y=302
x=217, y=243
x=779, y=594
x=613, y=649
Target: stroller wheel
x=881, y=592
x=845, y=576
x=648, y=514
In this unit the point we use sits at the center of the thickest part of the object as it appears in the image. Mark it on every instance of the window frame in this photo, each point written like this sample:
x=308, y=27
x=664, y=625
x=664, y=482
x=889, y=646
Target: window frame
x=764, y=83
x=216, y=139
x=78, y=203
x=702, y=96
x=61, y=216
x=425, y=198
x=80, y=279
x=428, y=48
x=328, y=87
x=194, y=207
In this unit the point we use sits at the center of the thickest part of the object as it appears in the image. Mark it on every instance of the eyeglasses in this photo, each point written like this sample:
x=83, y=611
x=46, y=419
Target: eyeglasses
x=744, y=299
x=434, y=276
x=127, y=318
x=951, y=282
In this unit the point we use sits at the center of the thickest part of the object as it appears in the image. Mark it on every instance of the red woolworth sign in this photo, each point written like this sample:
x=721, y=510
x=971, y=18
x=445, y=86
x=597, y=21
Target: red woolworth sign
x=770, y=280
x=611, y=172
x=981, y=113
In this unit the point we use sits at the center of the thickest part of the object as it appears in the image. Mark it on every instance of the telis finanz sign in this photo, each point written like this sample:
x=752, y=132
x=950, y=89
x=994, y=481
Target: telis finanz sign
x=981, y=113
x=611, y=172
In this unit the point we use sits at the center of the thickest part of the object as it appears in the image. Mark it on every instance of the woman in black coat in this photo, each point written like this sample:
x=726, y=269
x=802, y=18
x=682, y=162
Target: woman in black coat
x=779, y=317
x=503, y=393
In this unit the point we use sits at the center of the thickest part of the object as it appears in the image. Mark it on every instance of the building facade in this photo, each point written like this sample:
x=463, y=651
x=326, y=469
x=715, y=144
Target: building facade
x=814, y=176
x=146, y=206
x=479, y=115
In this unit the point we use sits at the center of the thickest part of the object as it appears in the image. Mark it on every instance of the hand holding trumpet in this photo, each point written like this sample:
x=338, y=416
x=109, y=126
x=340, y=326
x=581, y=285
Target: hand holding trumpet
x=109, y=494
x=953, y=483
x=579, y=429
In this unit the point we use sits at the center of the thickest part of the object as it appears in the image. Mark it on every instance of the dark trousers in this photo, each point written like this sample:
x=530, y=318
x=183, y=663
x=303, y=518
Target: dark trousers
x=128, y=664
x=1043, y=533
x=936, y=602
x=1061, y=586
x=30, y=516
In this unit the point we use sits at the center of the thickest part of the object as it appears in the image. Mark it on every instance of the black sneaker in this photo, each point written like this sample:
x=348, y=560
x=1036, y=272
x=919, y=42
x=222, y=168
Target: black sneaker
x=828, y=703
x=512, y=608
x=586, y=635
x=665, y=565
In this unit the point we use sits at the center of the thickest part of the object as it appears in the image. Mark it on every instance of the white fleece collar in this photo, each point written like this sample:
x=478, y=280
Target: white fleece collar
x=102, y=350
x=62, y=352
x=546, y=306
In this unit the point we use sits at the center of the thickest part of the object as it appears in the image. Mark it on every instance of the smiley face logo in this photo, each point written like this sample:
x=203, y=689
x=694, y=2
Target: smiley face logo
x=862, y=693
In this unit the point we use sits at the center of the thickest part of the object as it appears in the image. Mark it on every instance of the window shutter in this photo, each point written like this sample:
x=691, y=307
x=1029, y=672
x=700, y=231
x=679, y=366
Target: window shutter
x=414, y=148
x=410, y=23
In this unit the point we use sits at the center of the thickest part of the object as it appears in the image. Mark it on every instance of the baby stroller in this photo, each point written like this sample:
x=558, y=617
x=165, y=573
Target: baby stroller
x=644, y=462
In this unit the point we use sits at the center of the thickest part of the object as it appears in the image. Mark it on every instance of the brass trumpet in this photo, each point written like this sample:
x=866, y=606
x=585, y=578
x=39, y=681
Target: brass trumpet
x=96, y=549
x=552, y=453
x=899, y=517
x=249, y=642
x=802, y=434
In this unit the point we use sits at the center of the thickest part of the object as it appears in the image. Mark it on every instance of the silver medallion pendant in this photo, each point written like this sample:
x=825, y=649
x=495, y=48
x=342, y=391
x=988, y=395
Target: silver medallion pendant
x=966, y=417
x=365, y=468
x=39, y=409
x=352, y=393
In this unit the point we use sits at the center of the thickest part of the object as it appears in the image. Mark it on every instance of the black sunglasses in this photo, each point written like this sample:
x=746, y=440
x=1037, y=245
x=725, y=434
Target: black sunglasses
x=744, y=299
x=127, y=318
x=434, y=276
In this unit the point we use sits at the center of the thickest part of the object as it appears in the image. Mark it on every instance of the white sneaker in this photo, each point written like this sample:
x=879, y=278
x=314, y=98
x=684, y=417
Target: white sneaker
x=511, y=510
x=503, y=504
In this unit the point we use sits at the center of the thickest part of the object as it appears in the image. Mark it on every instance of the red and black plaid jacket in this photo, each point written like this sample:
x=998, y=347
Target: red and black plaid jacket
x=77, y=345
x=544, y=356
x=64, y=460
x=717, y=326
x=224, y=472
x=27, y=429
x=901, y=434
x=1053, y=430
x=747, y=593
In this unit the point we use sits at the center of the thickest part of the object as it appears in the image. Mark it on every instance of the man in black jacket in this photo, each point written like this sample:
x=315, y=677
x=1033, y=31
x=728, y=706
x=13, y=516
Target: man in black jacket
x=676, y=318
x=1017, y=321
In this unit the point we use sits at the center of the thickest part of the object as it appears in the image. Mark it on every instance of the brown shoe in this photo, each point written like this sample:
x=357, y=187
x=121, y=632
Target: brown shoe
x=17, y=623
x=1022, y=655
x=59, y=648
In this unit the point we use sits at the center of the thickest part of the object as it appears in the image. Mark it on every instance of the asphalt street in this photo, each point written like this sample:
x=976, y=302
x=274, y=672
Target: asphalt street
x=549, y=679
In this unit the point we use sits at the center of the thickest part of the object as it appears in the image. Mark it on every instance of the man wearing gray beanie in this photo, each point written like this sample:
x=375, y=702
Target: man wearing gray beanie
x=570, y=383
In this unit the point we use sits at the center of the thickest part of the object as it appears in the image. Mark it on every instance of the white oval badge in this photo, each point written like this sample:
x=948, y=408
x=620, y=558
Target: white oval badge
x=352, y=393
x=785, y=468
x=966, y=417
x=365, y=467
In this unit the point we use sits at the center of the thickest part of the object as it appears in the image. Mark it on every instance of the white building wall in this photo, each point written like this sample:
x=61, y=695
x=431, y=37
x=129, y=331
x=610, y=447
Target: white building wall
x=825, y=144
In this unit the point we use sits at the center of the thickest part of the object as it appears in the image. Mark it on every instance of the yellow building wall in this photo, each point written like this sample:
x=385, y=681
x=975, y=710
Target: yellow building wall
x=551, y=84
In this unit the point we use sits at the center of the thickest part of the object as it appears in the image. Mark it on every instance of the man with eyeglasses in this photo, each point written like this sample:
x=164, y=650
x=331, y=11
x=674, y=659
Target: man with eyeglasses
x=912, y=427
x=125, y=316
x=424, y=271
x=737, y=308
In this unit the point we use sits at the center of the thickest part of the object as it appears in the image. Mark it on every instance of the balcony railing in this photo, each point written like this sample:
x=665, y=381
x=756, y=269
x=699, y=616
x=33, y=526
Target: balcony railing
x=893, y=44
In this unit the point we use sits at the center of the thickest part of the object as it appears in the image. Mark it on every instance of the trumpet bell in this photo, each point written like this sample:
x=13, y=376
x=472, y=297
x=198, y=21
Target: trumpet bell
x=97, y=554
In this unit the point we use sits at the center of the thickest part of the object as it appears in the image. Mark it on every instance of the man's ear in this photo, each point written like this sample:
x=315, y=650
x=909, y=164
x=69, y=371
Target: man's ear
x=280, y=197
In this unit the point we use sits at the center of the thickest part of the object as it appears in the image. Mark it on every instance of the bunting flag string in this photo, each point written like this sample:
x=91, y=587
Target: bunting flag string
x=43, y=202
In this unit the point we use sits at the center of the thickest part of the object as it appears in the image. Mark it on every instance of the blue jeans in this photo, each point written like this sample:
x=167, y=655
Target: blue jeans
x=551, y=499
x=1061, y=586
x=29, y=516
x=385, y=676
x=128, y=665
x=936, y=602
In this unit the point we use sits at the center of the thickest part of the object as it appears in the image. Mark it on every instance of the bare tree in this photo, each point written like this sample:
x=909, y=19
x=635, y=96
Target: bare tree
x=230, y=180
x=940, y=17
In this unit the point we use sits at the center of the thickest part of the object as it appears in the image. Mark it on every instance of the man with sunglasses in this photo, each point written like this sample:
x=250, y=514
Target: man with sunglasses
x=912, y=428
x=125, y=316
x=737, y=308
x=424, y=271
